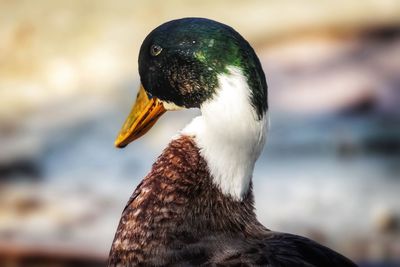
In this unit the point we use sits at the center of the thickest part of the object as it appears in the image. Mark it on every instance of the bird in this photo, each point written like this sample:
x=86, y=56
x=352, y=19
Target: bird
x=196, y=206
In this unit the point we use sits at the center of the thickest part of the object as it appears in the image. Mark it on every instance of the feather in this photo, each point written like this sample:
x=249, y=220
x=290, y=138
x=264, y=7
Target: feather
x=177, y=216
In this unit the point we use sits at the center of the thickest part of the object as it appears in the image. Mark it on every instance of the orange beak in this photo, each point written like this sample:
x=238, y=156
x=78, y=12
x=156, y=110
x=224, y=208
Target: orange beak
x=144, y=114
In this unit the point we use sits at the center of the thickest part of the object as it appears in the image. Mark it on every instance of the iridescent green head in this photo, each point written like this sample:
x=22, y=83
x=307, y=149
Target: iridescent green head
x=179, y=62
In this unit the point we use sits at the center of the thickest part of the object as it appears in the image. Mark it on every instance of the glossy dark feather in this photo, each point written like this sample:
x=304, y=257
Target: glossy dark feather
x=178, y=217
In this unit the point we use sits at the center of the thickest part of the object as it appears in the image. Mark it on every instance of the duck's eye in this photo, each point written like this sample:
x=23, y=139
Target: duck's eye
x=155, y=50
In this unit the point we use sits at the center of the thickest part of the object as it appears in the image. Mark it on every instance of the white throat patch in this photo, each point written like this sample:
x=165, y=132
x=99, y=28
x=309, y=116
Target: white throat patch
x=229, y=134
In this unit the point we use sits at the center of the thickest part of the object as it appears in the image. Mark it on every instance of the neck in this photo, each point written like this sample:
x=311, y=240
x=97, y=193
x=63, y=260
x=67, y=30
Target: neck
x=177, y=204
x=229, y=134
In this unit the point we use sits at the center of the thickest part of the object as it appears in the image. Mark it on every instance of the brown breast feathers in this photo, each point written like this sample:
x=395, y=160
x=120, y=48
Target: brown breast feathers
x=174, y=206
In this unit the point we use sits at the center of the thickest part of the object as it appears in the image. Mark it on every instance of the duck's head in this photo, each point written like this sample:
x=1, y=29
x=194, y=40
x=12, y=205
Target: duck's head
x=180, y=66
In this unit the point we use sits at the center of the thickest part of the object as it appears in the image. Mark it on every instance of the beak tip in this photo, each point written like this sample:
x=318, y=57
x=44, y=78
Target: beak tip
x=118, y=144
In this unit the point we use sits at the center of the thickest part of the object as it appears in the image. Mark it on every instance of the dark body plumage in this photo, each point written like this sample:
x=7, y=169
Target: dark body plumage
x=178, y=217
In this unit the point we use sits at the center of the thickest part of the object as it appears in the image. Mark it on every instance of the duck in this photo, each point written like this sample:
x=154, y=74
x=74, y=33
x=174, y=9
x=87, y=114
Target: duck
x=196, y=206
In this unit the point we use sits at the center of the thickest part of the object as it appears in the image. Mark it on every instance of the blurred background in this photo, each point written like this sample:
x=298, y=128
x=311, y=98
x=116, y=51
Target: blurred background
x=68, y=76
